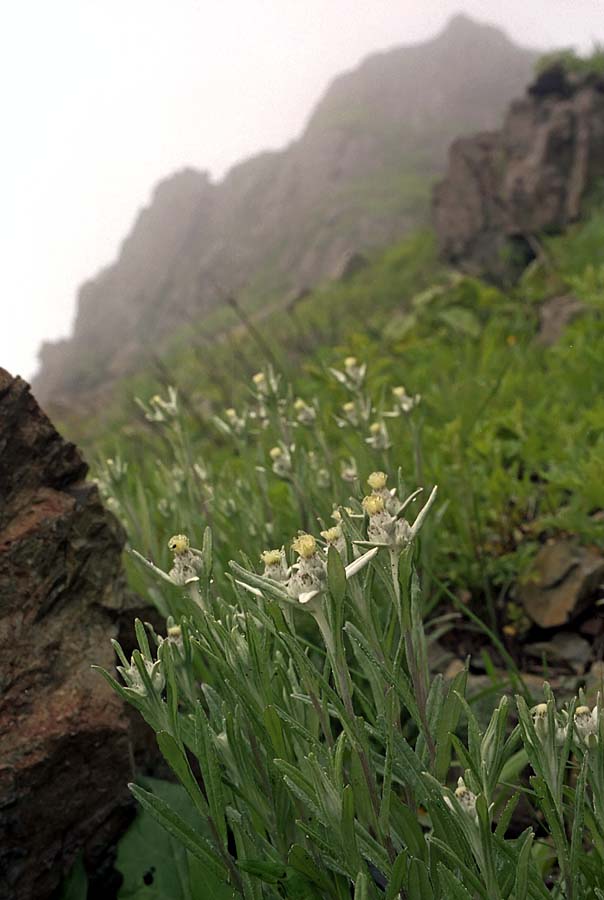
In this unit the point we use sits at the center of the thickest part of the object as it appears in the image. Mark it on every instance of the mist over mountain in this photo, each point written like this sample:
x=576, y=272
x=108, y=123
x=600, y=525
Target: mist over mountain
x=356, y=180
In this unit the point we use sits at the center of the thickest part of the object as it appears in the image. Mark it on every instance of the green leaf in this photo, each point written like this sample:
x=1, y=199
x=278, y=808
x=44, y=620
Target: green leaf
x=178, y=828
x=153, y=861
x=451, y=886
x=447, y=723
x=272, y=724
x=461, y=320
x=301, y=860
x=361, y=887
x=398, y=877
x=210, y=769
x=178, y=762
x=405, y=823
x=336, y=575
x=521, y=883
x=506, y=815
x=418, y=881
x=349, y=838
x=577, y=835
x=269, y=872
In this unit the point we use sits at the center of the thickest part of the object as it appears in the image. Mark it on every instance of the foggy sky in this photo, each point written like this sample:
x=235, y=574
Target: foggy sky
x=102, y=98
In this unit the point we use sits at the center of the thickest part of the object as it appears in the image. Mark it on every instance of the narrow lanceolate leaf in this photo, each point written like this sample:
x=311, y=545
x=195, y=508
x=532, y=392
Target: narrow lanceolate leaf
x=398, y=877
x=418, y=881
x=272, y=724
x=384, y=814
x=210, y=769
x=176, y=758
x=447, y=723
x=506, y=815
x=301, y=861
x=361, y=887
x=336, y=575
x=165, y=654
x=190, y=839
x=577, y=834
x=451, y=886
x=349, y=839
x=522, y=866
x=143, y=640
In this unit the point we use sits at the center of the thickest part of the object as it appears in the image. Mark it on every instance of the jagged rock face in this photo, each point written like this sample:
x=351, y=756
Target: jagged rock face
x=64, y=755
x=504, y=188
x=357, y=179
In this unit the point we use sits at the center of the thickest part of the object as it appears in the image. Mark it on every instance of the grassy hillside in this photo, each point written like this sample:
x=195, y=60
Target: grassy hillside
x=510, y=430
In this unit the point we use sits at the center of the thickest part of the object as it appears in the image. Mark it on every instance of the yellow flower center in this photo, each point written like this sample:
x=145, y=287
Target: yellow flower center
x=275, y=452
x=373, y=505
x=377, y=481
x=271, y=557
x=332, y=534
x=178, y=543
x=304, y=545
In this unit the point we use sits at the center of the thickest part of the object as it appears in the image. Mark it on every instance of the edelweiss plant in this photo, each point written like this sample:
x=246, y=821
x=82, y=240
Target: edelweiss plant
x=294, y=700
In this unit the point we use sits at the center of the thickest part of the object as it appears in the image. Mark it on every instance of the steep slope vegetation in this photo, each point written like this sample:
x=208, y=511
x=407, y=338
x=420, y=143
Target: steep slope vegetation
x=357, y=179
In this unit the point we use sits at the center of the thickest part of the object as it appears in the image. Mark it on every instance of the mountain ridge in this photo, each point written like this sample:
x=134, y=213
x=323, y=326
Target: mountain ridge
x=355, y=180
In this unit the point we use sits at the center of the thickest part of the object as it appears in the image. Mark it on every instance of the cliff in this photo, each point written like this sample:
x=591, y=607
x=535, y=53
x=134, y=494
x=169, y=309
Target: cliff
x=505, y=188
x=357, y=179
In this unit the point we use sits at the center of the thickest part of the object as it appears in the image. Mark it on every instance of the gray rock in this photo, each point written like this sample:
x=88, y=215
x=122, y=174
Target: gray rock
x=504, y=188
x=562, y=582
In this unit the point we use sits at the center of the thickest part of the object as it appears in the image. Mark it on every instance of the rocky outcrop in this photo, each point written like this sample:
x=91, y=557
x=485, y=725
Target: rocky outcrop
x=356, y=180
x=505, y=188
x=64, y=748
x=563, y=581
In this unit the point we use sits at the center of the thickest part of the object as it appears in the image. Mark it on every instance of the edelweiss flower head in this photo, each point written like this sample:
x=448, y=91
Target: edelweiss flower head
x=377, y=481
x=378, y=436
x=404, y=400
x=275, y=453
x=179, y=544
x=466, y=798
x=134, y=679
x=305, y=414
x=187, y=563
x=270, y=557
x=373, y=504
x=304, y=545
x=350, y=363
x=260, y=383
x=309, y=573
x=275, y=565
x=333, y=537
x=540, y=720
x=174, y=631
x=586, y=722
